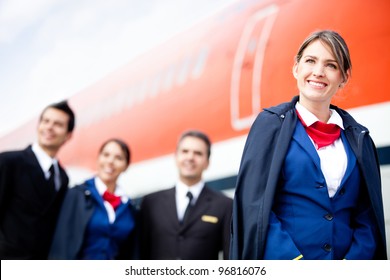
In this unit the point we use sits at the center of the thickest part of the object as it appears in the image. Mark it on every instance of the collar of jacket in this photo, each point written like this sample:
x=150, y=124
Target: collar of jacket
x=348, y=121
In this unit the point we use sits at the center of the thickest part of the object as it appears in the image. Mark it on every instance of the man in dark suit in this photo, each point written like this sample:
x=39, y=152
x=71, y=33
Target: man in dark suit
x=32, y=187
x=189, y=221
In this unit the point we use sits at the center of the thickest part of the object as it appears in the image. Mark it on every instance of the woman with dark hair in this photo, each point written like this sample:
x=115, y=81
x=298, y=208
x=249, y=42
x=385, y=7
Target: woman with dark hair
x=97, y=219
x=309, y=184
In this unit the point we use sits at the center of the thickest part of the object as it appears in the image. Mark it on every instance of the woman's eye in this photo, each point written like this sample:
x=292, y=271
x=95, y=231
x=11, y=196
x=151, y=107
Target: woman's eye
x=120, y=158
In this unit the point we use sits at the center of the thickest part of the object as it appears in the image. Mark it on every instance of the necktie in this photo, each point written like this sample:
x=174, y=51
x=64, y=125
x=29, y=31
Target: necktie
x=112, y=199
x=51, y=179
x=189, y=206
x=323, y=134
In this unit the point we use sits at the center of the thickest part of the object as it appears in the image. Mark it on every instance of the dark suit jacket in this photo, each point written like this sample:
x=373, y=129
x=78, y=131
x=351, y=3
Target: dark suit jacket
x=28, y=206
x=203, y=235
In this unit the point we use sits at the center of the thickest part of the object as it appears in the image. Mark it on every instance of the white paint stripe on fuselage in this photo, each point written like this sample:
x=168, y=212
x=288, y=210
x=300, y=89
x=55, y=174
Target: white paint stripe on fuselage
x=377, y=119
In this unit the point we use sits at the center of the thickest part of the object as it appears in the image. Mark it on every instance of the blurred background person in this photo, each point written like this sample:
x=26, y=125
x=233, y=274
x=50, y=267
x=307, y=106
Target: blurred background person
x=32, y=187
x=190, y=220
x=97, y=220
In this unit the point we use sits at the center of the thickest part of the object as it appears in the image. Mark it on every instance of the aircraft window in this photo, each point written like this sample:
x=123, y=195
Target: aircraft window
x=105, y=111
x=167, y=83
x=85, y=117
x=155, y=85
x=148, y=87
x=91, y=115
x=142, y=90
x=200, y=63
x=119, y=102
x=130, y=96
x=183, y=71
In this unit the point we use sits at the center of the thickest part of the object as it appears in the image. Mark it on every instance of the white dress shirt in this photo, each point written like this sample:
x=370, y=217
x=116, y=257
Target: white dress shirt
x=333, y=157
x=182, y=199
x=45, y=161
x=101, y=188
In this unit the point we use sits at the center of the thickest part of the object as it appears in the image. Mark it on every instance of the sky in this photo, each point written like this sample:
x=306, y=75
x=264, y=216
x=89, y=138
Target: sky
x=52, y=49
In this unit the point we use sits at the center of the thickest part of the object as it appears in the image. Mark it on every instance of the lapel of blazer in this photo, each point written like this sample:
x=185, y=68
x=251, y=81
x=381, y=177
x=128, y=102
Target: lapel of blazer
x=303, y=140
x=38, y=181
x=169, y=203
x=90, y=183
x=64, y=180
x=201, y=206
x=305, y=143
x=350, y=157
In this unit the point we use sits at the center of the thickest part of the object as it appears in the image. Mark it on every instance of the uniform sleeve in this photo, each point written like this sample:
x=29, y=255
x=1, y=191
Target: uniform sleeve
x=71, y=224
x=226, y=229
x=247, y=198
x=256, y=183
x=369, y=220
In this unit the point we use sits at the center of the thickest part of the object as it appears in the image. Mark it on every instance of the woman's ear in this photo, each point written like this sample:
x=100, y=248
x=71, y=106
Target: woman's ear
x=295, y=70
x=346, y=79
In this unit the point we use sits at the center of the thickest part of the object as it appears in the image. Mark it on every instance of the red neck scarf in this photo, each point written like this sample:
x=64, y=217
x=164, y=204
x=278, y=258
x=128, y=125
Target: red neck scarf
x=112, y=199
x=323, y=134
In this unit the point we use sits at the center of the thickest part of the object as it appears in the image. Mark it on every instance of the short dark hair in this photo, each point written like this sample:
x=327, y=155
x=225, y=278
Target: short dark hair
x=122, y=144
x=64, y=107
x=198, y=134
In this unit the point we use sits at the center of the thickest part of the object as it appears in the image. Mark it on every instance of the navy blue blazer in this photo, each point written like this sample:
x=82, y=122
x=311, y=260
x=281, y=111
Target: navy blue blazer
x=83, y=203
x=28, y=206
x=260, y=175
x=305, y=223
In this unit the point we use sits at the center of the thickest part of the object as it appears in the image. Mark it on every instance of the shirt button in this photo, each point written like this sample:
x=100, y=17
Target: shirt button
x=328, y=217
x=327, y=247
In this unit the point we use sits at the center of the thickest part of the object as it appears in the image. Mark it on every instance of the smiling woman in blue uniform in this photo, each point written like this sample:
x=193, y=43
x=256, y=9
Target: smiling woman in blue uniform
x=97, y=218
x=309, y=182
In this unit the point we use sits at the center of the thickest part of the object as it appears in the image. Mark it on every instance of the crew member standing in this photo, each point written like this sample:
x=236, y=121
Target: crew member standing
x=190, y=220
x=32, y=187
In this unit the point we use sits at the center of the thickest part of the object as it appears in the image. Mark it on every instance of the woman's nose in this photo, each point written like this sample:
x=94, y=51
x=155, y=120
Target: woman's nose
x=318, y=71
x=110, y=159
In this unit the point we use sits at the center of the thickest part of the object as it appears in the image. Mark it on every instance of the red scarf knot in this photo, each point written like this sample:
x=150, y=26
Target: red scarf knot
x=323, y=134
x=114, y=200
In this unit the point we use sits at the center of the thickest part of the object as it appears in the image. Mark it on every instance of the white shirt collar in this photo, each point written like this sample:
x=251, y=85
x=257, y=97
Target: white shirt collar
x=119, y=191
x=182, y=189
x=309, y=118
x=45, y=161
x=101, y=188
